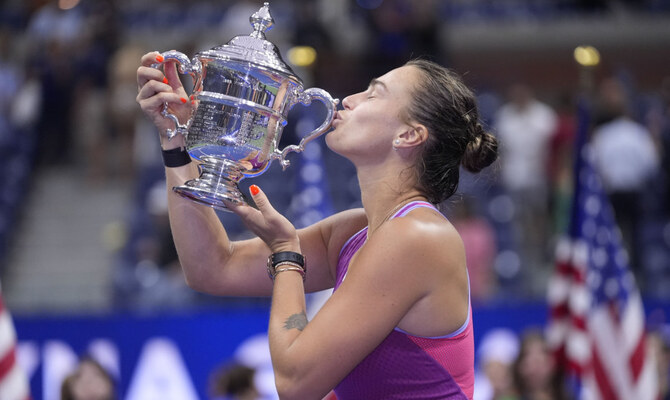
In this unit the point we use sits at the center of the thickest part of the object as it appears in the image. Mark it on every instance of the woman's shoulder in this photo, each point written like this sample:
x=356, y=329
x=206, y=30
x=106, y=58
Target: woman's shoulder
x=349, y=220
x=423, y=233
x=424, y=223
x=339, y=227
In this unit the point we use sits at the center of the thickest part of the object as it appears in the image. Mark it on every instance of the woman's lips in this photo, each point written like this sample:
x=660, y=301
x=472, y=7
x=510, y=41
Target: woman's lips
x=336, y=119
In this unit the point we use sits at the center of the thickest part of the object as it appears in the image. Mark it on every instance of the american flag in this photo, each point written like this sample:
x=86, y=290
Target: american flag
x=13, y=382
x=597, y=321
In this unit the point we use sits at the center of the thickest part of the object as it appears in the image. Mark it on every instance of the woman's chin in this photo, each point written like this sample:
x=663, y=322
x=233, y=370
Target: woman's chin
x=332, y=145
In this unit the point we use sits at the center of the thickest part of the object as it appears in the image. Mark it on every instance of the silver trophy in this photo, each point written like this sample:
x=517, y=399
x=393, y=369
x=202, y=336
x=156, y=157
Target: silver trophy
x=242, y=92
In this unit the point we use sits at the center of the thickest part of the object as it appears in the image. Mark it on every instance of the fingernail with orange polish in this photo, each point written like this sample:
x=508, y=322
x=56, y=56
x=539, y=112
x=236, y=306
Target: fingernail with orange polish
x=254, y=189
x=160, y=58
x=183, y=100
x=165, y=80
x=192, y=101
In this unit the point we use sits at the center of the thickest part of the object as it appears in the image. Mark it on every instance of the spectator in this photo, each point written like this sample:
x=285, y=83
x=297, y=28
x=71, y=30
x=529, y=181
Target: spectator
x=627, y=159
x=560, y=163
x=234, y=382
x=658, y=346
x=480, y=249
x=90, y=381
x=536, y=375
x=496, y=354
x=526, y=127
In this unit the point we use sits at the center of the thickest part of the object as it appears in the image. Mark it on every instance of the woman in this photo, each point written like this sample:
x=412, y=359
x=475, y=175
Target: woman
x=398, y=324
x=90, y=381
x=536, y=373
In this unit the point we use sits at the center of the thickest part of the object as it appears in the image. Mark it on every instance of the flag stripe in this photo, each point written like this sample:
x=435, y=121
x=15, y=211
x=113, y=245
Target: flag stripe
x=7, y=363
x=637, y=359
x=14, y=386
x=602, y=379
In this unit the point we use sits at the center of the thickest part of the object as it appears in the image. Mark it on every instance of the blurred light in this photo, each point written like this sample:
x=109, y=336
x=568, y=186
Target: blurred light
x=67, y=4
x=302, y=56
x=507, y=264
x=502, y=209
x=587, y=56
x=114, y=236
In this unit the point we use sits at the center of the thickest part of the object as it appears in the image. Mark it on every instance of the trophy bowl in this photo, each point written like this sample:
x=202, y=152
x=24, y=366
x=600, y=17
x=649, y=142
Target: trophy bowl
x=242, y=94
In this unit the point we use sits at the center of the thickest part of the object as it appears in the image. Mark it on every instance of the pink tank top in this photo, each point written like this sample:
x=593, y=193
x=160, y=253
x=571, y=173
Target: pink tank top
x=405, y=366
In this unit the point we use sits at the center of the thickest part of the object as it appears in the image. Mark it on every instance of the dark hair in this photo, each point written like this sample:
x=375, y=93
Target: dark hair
x=232, y=380
x=445, y=105
x=67, y=384
x=556, y=385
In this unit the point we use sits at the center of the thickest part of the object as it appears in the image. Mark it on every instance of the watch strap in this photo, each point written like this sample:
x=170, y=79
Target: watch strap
x=290, y=256
x=285, y=257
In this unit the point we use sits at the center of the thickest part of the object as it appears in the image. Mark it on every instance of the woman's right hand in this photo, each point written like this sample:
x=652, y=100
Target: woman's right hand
x=155, y=89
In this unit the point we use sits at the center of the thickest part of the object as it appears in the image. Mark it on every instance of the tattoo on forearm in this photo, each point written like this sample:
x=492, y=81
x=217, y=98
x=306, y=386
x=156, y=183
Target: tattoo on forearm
x=297, y=321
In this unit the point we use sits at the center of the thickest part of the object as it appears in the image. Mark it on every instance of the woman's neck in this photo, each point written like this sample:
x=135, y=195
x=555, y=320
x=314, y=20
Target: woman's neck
x=382, y=198
x=385, y=188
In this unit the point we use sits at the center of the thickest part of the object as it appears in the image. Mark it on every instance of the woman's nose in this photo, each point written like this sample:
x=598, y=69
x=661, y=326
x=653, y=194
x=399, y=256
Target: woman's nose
x=350, y=101
x=347, y=103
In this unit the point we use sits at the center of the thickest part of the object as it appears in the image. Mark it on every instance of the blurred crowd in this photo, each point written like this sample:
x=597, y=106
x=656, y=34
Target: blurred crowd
x=67, y=97
x=522, y=366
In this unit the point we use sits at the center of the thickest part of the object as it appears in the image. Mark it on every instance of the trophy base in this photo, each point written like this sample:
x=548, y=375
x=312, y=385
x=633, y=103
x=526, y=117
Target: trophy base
x=216, y=186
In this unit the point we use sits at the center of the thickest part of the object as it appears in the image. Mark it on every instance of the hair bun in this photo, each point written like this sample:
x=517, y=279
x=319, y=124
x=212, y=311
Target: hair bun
x=481, y=151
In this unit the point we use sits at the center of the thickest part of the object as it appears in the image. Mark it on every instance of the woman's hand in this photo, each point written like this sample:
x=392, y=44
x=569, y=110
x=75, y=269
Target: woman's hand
x=268, y=224
x=156, y=89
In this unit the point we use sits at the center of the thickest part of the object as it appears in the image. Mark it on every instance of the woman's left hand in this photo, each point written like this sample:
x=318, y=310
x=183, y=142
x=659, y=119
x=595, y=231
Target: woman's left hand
x=272, y=227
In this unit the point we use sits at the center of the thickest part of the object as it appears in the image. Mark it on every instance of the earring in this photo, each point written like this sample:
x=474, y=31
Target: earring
x=396, y=143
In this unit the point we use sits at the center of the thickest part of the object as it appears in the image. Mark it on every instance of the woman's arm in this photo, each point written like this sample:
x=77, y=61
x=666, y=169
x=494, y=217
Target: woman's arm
x=214, y=264
x=405, y=262
x=211, y=262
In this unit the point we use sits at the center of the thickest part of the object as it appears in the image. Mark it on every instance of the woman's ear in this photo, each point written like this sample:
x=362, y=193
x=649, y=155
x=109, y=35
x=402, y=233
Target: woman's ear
x=414, y=136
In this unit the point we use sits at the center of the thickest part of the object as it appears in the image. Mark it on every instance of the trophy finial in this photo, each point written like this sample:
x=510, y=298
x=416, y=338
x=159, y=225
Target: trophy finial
x=261, y=21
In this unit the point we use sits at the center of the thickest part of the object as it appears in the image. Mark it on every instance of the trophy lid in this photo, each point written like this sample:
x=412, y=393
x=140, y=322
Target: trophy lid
x=254, y=48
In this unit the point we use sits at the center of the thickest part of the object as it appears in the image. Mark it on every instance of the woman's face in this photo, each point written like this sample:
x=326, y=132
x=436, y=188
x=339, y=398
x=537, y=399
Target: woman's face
x=372, y=119
x=537, y=364
x=90, y=383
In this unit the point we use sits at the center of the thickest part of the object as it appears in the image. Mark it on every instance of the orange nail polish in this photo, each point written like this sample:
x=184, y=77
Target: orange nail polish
x=192, y=101
x=183, y=100
x=192, y=97
x=160, y=58
x=165, y=80
x=254, y=189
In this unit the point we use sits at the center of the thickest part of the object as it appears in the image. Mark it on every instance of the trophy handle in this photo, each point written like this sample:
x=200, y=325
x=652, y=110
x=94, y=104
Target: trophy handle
x=185, y=66
x=306, y=98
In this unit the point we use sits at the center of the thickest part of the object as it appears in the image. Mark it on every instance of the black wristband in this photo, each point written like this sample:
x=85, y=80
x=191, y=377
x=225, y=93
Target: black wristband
x=290, y=256
x=176, y=157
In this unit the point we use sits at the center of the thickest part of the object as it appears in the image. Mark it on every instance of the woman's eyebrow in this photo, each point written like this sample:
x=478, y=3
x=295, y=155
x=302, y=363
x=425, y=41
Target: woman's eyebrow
x=376, y=82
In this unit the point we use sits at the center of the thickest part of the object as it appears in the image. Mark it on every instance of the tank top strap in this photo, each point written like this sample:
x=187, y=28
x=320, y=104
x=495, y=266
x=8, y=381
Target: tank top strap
x=411, y=206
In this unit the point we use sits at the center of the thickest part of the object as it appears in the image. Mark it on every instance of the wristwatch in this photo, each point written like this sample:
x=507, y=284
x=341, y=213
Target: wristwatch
x=284, y=257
